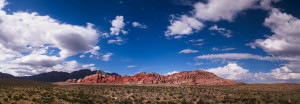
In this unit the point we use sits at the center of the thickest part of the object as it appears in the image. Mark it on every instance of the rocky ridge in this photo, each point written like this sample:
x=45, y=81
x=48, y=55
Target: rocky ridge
x=197, y=77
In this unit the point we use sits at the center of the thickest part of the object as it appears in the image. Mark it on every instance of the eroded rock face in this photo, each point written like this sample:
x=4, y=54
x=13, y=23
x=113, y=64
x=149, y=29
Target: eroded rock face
x=197, y=77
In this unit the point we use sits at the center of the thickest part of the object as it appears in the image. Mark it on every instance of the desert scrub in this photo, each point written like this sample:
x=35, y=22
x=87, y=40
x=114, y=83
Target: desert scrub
x=154, y=94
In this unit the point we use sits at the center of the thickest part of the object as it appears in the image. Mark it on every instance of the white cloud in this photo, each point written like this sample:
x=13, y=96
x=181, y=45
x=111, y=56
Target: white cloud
x=216, y=10
x=94, y=51
x=131, y=66
x=284, y=43
x=170, y=73
x=283, y=73
x=7, y=54
x=188, y=51
x=213, y=10
x=286, y=38
x=118, y=41
x=231, y=71
x=183, y=26
x=138, y=25
x=39, y=36
x=2, y=3
x=235, y=72
x=20, y=30
x=267, y=4
x=106, y=57
x=118, y=26
x=105, y=35
x=36, y=60
x=223, y=31
x=234, y=56
x=71, y=66
x=81, y=56
x=26, y=70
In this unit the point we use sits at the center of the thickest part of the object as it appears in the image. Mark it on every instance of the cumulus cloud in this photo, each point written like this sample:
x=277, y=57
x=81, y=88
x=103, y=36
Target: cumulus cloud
x=21, y=29
x=223, y=31
x=39, y=36
x=188, y=51
x=284, y=43
x=106, y=57
x=131, y=66
x=118, y=26
x=213, y=10
x=138, y=25
x=286, y=39
x=231, y=71
x=235, y=72
x=26, y=70
x=234, y=56
x=283, y=73
x=183, y=26
x=170, y=73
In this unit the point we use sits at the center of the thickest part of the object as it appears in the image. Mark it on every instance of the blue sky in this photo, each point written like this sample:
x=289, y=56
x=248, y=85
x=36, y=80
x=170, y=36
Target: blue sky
x=245, y=40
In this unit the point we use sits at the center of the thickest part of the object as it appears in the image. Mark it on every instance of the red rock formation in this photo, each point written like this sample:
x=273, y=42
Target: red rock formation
x=197, y=77
x=71, y=81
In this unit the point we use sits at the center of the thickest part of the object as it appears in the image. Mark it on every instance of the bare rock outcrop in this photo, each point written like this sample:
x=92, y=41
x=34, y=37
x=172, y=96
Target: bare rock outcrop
x=197, y=77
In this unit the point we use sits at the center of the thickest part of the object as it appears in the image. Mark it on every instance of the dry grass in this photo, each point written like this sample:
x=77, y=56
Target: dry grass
x=166, y=94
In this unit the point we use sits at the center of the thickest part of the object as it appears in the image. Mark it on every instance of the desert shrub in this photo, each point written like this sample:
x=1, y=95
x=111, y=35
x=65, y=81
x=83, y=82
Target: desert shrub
x=5, y=99
x=16, y=98
x=157, y=98
x=128, y=94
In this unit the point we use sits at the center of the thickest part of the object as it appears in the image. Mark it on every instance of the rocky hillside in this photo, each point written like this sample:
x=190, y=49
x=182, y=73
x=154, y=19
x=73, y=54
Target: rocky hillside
x=55, y=76
x=197, y=77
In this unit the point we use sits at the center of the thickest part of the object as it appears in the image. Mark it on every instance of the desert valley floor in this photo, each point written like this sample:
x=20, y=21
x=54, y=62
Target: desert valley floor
x=19, y=91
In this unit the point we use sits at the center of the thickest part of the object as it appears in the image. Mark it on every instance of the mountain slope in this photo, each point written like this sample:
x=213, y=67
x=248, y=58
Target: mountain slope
x=4, y=75
x=55, y=76
x=197, y=77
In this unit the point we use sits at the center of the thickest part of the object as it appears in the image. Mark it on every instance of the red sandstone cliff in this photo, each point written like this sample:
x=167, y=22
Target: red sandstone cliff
x=197, y=77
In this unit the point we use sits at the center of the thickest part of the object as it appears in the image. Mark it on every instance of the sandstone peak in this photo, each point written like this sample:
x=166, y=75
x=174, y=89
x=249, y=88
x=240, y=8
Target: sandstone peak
x=198, y=77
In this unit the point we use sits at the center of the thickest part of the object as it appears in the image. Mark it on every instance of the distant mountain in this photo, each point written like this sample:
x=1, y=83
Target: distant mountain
x=55, y=76
x=198, y=77
x=4, y=75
